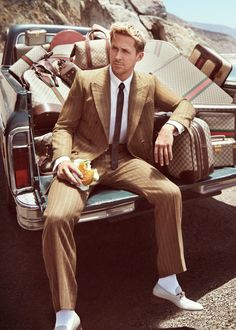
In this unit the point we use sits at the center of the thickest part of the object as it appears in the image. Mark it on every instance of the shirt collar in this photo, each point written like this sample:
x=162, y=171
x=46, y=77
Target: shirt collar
x=116, y=81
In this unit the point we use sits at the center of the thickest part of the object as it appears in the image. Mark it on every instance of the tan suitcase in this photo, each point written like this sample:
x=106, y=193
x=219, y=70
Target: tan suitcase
x=215, y=66
x=224, y=150
x=35, y=37
x=174, y=70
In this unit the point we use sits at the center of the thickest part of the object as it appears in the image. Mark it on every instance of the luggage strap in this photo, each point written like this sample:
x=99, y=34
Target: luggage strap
x=49, y=78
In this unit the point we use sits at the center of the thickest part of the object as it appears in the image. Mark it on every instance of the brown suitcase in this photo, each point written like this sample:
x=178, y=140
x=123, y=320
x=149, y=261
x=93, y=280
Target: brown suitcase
x=215, y=66
x=221, y=119
x=192, y=153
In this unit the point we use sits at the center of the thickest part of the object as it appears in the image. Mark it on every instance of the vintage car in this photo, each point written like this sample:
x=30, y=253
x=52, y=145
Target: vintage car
x=27, y=185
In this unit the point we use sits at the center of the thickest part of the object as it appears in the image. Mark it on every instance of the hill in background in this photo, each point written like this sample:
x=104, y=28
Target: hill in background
x=150, y=16
x=215, y=28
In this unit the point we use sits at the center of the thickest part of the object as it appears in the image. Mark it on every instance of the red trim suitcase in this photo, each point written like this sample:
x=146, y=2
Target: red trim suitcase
x=221, y=119
x=174, y=70
x=215, y=66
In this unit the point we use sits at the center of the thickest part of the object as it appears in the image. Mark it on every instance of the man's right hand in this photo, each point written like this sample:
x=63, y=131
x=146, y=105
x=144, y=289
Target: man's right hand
x=67, y=171
x=163, y=145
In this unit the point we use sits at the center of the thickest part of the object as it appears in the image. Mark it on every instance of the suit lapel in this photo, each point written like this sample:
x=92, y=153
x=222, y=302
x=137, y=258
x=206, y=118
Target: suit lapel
x=101, y=94
x=137, y=97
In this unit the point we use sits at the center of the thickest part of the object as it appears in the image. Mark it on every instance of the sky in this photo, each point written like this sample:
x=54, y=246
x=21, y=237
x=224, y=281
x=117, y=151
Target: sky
x=220, y=12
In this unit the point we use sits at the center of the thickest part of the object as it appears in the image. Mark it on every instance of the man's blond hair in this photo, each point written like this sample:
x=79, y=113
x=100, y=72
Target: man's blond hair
x=129, y=30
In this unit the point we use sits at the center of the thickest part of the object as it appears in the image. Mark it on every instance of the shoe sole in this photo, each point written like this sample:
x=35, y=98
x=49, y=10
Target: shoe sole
x=159, y=300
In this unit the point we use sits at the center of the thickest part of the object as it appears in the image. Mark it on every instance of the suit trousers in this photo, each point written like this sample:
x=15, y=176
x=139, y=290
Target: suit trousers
x=66, y=202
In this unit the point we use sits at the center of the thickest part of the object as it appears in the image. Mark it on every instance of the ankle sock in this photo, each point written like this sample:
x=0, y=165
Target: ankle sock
x=65, y=317
x=170, y=284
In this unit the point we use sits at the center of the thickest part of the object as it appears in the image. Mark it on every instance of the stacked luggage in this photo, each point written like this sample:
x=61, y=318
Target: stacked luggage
x=48, y=71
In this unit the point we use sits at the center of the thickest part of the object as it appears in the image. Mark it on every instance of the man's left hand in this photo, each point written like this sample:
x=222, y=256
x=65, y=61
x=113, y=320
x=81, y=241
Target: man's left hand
x=163, y=145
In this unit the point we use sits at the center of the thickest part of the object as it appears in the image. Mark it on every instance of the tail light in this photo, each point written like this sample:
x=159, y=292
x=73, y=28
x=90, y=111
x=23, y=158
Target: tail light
x=21, y=166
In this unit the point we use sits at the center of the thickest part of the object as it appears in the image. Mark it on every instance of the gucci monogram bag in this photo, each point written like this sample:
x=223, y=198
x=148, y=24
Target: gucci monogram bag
x=91, y=54
x=224, y=151
x=193, y=159
x=192, y=153
x=220, y=119
x=35, y=37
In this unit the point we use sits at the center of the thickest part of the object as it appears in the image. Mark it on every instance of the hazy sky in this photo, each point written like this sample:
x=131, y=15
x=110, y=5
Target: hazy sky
x=204, y=11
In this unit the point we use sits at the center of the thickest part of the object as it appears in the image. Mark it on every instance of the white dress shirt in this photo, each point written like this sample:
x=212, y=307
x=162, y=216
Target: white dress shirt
x=115, y=82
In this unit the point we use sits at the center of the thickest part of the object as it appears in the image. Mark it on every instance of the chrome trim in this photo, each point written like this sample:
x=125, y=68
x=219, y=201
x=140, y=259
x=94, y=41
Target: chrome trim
x=215, y=107
x=2, y=126
x=27, y=200
x=113, y=211
x=19, y=36
x=230, y=83
x=211, y=187
x=29, y=216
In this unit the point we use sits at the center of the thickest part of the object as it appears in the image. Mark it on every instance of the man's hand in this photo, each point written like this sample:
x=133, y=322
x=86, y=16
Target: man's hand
x=163, y=145
x=67, y=171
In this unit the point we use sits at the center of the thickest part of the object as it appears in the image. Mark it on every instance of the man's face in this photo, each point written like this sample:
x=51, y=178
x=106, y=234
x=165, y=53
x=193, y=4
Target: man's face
x=123, y=55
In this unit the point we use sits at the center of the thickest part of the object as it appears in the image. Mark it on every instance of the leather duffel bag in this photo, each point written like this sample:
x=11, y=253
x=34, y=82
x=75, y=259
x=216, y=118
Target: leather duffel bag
x=48, y=93
x=45, y=86
x=91, y=54
x=26, y=61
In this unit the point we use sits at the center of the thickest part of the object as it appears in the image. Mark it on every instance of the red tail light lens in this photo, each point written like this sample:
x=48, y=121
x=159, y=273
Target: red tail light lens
x=21, y=167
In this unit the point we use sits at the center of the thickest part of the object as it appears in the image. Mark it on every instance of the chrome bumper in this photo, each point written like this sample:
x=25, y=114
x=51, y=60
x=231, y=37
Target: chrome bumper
x=31, y=218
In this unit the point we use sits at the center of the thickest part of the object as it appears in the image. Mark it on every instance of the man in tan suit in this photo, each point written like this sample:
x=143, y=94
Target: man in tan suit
x=85, y=130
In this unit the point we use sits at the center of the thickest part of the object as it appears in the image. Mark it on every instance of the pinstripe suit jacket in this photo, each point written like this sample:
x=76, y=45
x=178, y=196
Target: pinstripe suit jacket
x=82, y=130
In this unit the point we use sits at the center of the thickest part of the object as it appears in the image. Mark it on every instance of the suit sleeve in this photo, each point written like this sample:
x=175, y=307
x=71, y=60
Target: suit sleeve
x=68, y=120
x=182, y=110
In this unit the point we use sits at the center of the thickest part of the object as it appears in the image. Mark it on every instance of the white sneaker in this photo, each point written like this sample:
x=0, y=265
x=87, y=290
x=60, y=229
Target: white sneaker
x=179, y=299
